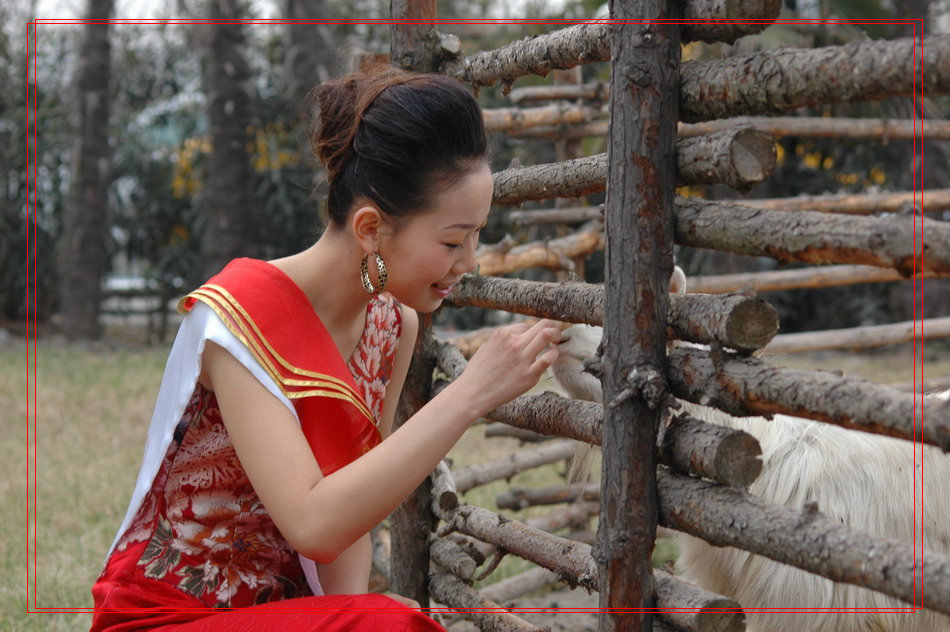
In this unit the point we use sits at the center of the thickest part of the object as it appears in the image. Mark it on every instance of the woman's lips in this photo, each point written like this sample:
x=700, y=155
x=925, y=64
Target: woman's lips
x=441, y=291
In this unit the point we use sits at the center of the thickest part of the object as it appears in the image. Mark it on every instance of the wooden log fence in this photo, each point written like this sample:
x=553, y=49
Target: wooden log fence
x=690, y=445
x=643, y=217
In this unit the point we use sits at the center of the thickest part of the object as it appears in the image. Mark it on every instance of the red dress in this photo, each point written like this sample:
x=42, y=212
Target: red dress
x=200, y=539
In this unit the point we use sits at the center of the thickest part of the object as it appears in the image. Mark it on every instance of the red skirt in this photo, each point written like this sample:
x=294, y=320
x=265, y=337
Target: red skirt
x=156, y=606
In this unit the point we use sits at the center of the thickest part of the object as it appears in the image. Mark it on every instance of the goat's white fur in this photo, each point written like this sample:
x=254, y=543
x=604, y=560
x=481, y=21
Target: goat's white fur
x=865, y=481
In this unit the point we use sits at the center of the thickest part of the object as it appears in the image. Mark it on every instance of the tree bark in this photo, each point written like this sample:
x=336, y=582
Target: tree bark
x=740, y=158
x=594, y=91
x=564, y=48
x=572, y=563
x=713, y=19
x=452, y=558
x=728, y=456
x=861, y=337
x=227, y=196
x=725, y=516
x=739, y=321
x=638, y=211
x=821, y=127
x=777, y=280
x=747, y=386
x=695, y=609
x=571, y=178
x=567, y=215
x=415, y=43
x=507, y=466
x=784, y=79
x=310, y=56
x=83, y=255
x=484, y=613
x=505, y=119
x=810, y=237
x=413, y=520
x=558, y=254
x=931, y=200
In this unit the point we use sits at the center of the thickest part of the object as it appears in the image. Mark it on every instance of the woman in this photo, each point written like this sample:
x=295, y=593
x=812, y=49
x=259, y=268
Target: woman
x=269, y=457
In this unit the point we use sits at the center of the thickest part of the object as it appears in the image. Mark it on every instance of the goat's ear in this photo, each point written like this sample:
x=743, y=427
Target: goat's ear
x=678, y=281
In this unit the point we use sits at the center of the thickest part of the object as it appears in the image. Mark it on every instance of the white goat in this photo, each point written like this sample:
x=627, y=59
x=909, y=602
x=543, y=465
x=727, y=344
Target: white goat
x=863, y=480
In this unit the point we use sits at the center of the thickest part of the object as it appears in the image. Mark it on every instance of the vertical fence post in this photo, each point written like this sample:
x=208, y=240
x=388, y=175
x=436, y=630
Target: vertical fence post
x=412, y=522
x=639, y=228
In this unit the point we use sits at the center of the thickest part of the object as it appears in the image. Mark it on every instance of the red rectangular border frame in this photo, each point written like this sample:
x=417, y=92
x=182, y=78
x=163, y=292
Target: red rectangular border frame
x=33, y=608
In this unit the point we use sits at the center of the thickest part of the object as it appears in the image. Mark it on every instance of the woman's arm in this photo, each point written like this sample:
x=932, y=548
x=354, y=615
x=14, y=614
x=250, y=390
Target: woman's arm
x=350, y=572
x=322, y=516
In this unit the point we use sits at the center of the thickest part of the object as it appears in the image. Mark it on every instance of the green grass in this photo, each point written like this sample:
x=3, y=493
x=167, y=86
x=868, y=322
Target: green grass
x=93, y=408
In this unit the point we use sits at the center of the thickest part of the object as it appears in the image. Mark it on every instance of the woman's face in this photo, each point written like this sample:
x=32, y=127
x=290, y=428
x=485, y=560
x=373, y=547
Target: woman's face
x=431, y=251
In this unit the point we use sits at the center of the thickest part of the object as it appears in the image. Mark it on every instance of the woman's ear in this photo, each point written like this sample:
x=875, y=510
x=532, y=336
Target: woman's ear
x=366, y=223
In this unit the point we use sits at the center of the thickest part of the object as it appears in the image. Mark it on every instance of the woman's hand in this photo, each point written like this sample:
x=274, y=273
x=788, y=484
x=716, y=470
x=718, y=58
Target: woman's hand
x=509, y=364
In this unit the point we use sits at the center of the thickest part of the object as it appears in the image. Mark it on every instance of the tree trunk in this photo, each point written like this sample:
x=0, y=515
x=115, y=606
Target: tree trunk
x=638, y=211
x=414, y=41
x=227, y=198
x=413, y=521
x=83, y=255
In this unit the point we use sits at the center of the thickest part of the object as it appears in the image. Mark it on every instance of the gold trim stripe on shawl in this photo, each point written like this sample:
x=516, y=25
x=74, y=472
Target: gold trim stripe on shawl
x=237, y=320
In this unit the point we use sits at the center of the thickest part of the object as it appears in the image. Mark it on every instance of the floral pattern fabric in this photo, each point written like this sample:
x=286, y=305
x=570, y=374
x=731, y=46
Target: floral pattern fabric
x=205, y=530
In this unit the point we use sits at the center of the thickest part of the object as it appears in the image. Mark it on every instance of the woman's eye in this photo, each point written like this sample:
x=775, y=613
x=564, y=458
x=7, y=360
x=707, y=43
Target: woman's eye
x=454, y=246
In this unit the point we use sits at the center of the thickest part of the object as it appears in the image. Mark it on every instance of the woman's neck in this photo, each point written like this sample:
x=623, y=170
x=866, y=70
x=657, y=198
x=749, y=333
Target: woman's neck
x=328, y=272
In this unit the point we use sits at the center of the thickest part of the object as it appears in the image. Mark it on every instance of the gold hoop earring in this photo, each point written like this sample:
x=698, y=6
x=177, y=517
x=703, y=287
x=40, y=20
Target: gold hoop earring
x=382, y=274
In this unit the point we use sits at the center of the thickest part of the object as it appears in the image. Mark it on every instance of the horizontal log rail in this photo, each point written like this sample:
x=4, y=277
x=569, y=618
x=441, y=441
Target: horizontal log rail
x=806, y=539
x=739, y=158
x=788, y=78
x=811, y=237
x=562, y=113
x=809, y=277
x=739, y=321
x=746, y=386
x=590, y=42
x=447, y=589
x=828, y=127
x=866, y=337
x=557, y=254
x=507, y=466
x=927, y=201
x=883, y=130
x=564, y=215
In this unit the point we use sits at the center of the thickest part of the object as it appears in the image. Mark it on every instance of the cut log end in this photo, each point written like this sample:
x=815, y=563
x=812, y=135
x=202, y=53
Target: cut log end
x=721, y=614
x=739, y=459
x=753, y=155
x=751, y=325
